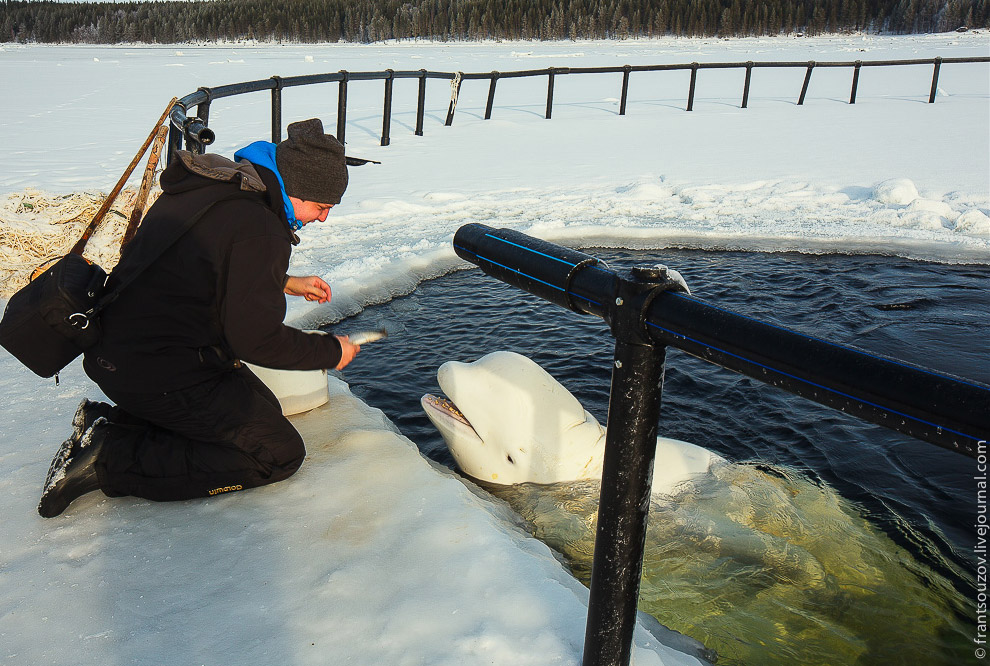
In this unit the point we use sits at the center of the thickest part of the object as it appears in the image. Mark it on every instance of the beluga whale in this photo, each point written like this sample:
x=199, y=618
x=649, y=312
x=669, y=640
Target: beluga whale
x=754, y=560
x=507, y=420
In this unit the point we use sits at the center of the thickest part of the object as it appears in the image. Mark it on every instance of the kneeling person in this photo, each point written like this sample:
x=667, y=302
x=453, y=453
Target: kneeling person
x=190, y=420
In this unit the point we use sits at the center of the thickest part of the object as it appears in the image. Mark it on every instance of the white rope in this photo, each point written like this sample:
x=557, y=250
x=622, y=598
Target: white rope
x=455, y=89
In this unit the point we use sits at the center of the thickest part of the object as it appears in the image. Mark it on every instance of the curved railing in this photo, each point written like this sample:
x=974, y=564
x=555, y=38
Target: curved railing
x=194, y=130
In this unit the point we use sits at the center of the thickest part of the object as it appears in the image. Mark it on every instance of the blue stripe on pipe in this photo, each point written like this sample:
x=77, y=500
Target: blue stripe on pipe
x=548, y=256
x=523, y=247
x=526, y=275
x=833, y=344
x=816, y=385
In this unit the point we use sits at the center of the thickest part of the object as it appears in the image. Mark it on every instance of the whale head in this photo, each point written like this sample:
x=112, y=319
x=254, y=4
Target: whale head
x=507, y=421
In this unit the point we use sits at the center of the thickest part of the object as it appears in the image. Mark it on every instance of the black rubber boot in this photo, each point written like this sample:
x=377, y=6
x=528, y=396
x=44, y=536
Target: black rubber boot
x=73, y=471
x=86, y=414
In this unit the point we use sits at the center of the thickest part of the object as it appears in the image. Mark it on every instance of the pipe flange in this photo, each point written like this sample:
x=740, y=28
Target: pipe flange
x=575, y=269
x=661, y=276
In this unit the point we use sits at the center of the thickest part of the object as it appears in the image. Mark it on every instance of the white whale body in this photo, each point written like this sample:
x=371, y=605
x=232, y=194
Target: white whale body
x=758, y=562
x=507, y=421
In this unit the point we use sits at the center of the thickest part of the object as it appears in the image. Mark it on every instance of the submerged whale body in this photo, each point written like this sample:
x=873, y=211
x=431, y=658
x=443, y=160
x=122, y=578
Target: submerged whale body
x=755, y=561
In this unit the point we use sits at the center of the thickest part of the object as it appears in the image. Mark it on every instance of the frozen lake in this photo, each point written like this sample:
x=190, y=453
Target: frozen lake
x=124, y=581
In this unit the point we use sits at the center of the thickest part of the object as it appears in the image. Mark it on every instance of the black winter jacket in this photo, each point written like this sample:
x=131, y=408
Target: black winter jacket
x=215, y=296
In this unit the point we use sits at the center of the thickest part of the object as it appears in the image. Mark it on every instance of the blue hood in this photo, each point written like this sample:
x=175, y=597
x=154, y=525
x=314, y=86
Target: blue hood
x=262, y=153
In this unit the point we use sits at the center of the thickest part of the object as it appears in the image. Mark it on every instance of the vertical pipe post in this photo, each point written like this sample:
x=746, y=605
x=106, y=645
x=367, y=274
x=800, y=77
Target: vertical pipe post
x=387, y=112
x=694, y=80
x=342, y=106
x=625, y=89
x=855, y=85
x=491, y=96
x=188, y=145
x=277, y=109
x=550, y=75
x=174, y=139
x=630, y=447
x=807, y=80
x=749, y=76
x=194, y=147
x=938, y=65
x=421, y=103
x=203, y=112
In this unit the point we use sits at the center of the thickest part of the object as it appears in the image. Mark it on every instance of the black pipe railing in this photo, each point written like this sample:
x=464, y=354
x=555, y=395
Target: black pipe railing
x=749, y=77
x=647, y=312
x=341, y=108
x=387, y=111
x=195, y=132
x=625, y=89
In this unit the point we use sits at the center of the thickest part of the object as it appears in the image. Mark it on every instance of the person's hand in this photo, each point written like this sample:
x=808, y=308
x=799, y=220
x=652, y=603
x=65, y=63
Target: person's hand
x=347, y=351
x=312, y=288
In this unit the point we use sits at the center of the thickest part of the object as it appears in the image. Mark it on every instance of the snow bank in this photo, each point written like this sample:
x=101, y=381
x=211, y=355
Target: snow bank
x=650, y=213
x=895, y=191
x=369, y=554
x=378, y=250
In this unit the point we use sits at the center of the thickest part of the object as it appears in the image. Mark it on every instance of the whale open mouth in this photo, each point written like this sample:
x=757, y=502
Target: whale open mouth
x=445, y=405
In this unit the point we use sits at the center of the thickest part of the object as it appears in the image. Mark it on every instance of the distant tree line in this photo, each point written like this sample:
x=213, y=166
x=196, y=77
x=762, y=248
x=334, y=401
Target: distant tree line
x=376, y=20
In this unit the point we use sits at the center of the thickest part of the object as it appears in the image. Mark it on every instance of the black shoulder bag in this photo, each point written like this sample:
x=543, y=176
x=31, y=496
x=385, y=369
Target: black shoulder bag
x=55, y=317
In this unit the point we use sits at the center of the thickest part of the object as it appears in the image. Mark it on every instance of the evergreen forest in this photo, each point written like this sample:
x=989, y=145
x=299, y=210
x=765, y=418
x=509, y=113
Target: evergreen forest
x=313, y=21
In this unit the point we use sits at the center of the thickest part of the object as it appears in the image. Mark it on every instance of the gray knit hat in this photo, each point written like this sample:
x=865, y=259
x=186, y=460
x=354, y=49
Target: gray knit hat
x=312, y=163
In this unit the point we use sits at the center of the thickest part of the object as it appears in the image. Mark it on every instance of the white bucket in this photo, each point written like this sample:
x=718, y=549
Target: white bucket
x=297, y=390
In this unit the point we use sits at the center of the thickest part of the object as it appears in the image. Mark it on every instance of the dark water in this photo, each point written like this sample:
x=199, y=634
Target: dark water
x=935, y=315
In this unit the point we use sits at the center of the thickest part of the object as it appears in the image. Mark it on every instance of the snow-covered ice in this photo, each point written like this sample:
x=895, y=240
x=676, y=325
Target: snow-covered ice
x=370, y=554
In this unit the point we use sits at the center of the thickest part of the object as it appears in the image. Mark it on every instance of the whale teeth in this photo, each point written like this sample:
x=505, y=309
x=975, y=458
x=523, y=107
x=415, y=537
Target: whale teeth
x=450, y=407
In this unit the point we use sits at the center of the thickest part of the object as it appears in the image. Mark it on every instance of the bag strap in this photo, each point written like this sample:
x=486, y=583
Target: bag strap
x=133, y=273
